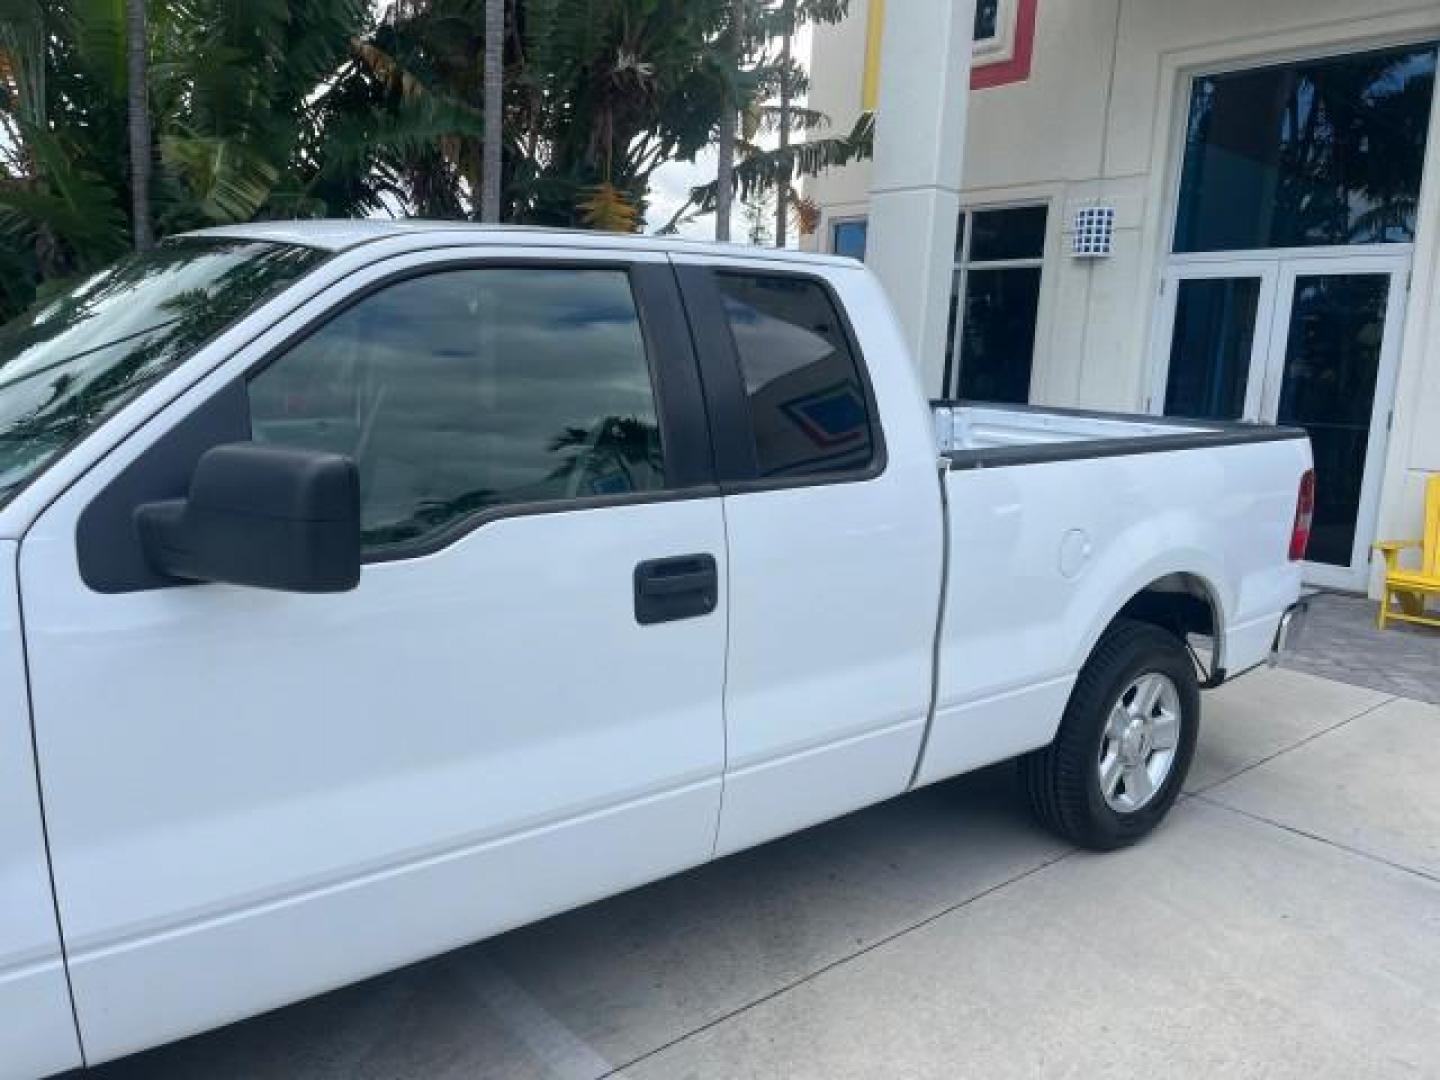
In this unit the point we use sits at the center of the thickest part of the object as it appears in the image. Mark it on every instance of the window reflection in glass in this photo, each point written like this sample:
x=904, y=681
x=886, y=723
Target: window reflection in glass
x=471, y=389
x=1326, y=151
x=807, y=405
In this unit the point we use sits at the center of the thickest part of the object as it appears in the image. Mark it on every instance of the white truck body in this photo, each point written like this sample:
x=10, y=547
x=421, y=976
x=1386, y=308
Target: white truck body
x=216, y=799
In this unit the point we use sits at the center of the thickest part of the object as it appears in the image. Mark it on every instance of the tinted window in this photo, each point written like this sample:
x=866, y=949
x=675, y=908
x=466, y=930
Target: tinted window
x=471, y=389
x=997, y=338
x=1321, y=152
x=75, y=359
x=1002, y=235
x=1210, y=352
x=808, y=409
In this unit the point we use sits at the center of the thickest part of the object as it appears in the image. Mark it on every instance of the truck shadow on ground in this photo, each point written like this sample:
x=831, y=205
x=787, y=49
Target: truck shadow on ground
x=596, y=988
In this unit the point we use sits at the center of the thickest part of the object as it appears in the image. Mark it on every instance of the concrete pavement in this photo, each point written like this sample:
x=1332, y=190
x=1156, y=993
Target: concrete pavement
x=1284, y=922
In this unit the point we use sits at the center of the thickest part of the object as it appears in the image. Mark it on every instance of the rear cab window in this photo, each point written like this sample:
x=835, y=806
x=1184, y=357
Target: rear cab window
x=809, y=409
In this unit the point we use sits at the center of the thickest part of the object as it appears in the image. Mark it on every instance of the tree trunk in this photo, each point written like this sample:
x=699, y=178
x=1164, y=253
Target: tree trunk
x=491, y=156
x=782, y=182
x=138, y=105
x=725, y=150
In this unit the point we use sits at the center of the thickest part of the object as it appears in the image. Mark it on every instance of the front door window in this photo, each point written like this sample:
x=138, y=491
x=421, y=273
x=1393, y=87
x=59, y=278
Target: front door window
x=462, y=391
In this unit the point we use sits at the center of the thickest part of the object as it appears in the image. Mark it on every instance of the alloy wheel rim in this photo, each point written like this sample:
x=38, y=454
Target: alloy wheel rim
x=1141, y=739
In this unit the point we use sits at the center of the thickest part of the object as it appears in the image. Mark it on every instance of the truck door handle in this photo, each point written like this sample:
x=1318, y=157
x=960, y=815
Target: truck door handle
x=682, y=587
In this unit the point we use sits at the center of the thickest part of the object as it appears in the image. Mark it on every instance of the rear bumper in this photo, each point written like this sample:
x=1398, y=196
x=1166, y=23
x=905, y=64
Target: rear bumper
x=1287, y=634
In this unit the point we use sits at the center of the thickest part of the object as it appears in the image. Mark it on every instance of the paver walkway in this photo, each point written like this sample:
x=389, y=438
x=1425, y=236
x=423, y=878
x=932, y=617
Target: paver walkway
x=1342, y=642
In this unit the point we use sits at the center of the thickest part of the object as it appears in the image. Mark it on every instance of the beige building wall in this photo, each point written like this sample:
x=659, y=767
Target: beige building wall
x=1100, y=120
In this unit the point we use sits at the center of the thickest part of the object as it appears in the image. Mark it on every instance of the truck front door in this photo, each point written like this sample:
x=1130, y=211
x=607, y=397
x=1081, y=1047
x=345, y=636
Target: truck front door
x=253, y=796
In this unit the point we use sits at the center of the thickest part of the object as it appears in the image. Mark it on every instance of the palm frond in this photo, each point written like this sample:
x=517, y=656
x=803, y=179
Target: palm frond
x=231, y=181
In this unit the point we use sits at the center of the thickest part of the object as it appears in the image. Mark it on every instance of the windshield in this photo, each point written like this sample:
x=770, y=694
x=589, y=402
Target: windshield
x=73, y=360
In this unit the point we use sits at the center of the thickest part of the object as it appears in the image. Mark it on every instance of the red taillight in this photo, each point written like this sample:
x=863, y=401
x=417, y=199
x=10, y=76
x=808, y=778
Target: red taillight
x=1304, y=516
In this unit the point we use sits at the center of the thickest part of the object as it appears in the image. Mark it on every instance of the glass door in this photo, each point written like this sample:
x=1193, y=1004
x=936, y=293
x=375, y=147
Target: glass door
x=1215, y=336
x=1312, y=342
x=1334, y=345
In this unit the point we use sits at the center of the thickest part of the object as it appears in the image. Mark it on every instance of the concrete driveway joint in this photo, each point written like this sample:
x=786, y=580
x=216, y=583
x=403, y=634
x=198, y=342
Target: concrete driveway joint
x=1284, y=922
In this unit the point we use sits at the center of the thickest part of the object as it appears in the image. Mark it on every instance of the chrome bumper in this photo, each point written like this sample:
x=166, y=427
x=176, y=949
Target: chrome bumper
x=1287, y=634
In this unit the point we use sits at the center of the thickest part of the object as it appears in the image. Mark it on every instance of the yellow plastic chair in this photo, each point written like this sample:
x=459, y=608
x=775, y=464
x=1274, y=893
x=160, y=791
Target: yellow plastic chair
x=1410, y=588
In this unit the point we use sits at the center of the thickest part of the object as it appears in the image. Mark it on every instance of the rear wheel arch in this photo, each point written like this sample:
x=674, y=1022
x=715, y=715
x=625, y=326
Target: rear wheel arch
x=1183, y=604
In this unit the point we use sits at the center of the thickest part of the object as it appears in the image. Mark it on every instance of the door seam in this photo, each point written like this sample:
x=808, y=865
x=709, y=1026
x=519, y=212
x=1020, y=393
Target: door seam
x=43, y=808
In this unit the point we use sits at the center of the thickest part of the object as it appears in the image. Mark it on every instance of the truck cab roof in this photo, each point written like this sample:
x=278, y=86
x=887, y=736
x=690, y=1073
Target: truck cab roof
x=335, y=234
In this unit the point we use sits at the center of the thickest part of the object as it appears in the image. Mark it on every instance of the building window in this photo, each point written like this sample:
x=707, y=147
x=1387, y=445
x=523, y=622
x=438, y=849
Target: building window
x=993, y=305
x=1003, y=40
x=987, y=20
x=848, y=238
x=1321, y=152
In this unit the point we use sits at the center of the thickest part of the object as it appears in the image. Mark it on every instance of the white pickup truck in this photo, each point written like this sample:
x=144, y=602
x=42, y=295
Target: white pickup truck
x=370, y=588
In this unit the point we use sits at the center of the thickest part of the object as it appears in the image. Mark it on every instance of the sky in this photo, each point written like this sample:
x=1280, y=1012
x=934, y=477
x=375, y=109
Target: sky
x=670, y=186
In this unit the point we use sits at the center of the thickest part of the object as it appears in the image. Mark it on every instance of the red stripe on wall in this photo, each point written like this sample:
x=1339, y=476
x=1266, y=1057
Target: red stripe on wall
x=1017, y=68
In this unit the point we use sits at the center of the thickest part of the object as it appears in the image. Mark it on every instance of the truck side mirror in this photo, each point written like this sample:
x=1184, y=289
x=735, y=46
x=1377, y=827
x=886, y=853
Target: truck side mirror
x=275, y=517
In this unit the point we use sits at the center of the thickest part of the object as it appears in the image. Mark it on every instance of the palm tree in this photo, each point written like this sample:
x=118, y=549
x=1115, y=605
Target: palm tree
x=285, y=108
x=787, y=35
x=755, y=26
x=758, y=170
x=138, y=110
x=494, y=87
x=725, y=144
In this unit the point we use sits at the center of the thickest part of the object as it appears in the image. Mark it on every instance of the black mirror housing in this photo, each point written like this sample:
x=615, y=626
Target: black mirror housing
x=272, y=517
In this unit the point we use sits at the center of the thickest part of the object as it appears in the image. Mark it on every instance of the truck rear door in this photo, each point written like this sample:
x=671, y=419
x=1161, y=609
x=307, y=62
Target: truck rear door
x=832, y=516
x=253, y=796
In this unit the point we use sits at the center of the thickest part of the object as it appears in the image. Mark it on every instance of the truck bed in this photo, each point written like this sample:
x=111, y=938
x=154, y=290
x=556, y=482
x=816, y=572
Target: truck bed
x=1111, y=505
x=974, y=435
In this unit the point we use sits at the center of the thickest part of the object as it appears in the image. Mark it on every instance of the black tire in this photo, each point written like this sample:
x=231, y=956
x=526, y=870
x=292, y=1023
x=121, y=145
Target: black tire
x=1062, y=782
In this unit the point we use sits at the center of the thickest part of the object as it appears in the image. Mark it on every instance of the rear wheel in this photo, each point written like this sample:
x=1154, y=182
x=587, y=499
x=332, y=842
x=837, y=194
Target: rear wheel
x=1125, y=741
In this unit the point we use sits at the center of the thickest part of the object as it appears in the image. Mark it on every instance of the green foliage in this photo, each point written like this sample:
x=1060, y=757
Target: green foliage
x=239, y=100
x=284, y=108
